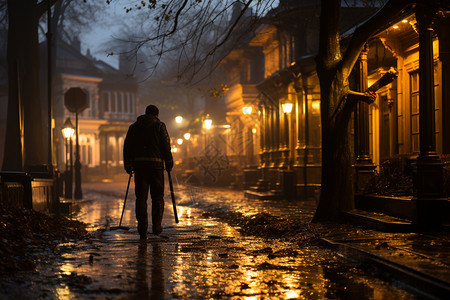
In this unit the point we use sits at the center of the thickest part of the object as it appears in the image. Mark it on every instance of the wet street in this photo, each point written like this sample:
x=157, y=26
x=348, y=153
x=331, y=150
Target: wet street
x=199, y=258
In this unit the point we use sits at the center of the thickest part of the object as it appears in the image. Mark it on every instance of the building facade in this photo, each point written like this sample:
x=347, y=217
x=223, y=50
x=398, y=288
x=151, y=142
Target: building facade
x=112, y=100
x=406, y=129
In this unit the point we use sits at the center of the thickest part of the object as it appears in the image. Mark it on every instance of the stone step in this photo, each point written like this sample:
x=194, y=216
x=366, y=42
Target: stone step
x=400, y=207
x=378, y=221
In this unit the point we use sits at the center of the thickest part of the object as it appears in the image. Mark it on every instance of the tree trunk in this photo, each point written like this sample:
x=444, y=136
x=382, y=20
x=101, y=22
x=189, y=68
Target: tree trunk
x=337, y=173
x=23, y=84
x=337, y=193
x=337, y=190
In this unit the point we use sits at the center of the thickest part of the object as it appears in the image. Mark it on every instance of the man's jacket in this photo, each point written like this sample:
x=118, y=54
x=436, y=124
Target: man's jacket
x=147, y=144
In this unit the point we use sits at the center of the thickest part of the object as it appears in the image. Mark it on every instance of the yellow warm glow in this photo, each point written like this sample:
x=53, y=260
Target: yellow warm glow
x=287, y=107
x=315, y=105
x=208, y=123
x=247, y=110
x=68, y=132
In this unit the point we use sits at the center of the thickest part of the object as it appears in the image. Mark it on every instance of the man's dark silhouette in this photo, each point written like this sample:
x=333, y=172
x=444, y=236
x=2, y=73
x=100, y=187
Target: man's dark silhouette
x=145, y=152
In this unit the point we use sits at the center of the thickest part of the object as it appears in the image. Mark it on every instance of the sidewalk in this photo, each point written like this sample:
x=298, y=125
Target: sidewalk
x=422, y=260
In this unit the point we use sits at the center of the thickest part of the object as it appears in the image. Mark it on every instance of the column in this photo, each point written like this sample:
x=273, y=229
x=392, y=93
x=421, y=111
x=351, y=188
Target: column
x=429, y=180
x=443, y=30
x=263, y=138
x=364, y=166
x=272, y=134
x=307, y=93
x=265, y=147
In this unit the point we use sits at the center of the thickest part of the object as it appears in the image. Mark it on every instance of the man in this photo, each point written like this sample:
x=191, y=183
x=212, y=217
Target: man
x=145, y=152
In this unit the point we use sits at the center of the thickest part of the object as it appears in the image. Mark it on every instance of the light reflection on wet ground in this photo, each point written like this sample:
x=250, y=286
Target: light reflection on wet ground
x=196, y=259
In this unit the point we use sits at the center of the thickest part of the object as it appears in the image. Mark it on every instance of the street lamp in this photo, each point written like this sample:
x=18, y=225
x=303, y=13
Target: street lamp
x=208, y=123
x=68, y=130
x=247, y=110
x=179, y=141
x=178, y=119
x=287, y=106
x=287, y=109
x=187, y=136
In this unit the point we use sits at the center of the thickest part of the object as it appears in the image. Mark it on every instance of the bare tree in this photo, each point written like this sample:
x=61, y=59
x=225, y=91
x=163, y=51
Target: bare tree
x=194, y=34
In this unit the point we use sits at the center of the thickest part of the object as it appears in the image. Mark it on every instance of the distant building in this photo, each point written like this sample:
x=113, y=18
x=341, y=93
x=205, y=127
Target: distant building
x=112, y=98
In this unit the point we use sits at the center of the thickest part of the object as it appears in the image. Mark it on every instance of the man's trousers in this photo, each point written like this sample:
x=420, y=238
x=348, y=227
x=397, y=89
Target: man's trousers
x=152, y=179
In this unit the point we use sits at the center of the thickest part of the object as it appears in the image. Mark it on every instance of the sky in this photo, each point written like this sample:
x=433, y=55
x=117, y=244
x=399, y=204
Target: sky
x=107, y=26
x=103, y=31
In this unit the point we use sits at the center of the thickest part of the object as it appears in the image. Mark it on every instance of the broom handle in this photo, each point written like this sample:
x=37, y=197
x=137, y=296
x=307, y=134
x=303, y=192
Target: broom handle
x=124, y=202
x=173, y=198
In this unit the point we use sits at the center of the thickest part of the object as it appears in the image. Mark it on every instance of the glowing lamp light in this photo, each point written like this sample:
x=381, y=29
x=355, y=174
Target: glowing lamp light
x=187, y=136
x=178, y=119
x=287, y=107
x=68, y=130
x=404, y=21
x=208, y=123
x=247, y=110
x=174, y=149
x=180, y=141
x=395, y=26
x=254, y=130
x=315, y=105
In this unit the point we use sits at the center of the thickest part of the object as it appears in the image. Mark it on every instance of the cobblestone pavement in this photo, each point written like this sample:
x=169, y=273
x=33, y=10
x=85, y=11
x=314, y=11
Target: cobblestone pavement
x=199, y=258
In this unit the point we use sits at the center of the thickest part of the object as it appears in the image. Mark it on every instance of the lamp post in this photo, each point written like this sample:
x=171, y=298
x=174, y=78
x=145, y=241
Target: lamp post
x=287, y=109
x=78, y=193
x=287, y=181
x=76, y=100
x=178, y=119
x=68, y=131
x=187, y=137
x=248, y=139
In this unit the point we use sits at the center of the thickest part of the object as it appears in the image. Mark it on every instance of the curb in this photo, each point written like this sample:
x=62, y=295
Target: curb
x=418, y=281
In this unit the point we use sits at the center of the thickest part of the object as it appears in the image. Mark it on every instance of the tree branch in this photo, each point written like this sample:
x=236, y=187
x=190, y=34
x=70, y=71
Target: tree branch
x=231, y=29
x=177, y=15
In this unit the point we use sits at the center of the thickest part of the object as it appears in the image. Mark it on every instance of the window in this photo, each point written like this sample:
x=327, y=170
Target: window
x=89, y=155
x=414, y=89
x=114, y=102
x=83, y=154
x=127, y=103
x=106, y=100
x=120, y=103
